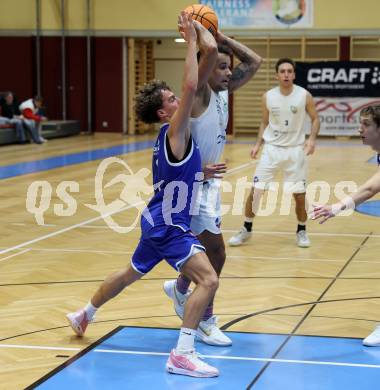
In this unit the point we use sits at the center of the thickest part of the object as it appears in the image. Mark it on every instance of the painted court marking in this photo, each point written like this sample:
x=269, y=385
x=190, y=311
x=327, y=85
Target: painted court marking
x=15, y=254
x=246, y=358
x=221, y=357
x=86, y=222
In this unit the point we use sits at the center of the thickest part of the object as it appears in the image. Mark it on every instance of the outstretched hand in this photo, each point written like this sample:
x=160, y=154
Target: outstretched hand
x=323, y=213
x=186, y=27
x=214, y=171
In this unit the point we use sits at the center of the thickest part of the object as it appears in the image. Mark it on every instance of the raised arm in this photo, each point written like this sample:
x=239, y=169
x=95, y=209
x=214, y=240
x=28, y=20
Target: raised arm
x=208, y=51
x=250, y=62
x=179, y=132
x=315, y=125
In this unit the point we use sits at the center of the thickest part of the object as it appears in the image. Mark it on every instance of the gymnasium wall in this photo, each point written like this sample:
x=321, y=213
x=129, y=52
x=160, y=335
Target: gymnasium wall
x=160, y=15
x=113, y=20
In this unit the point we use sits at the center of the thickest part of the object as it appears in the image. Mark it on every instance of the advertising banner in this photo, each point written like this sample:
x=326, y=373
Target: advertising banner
x=340, y=78
x=340, y=115
x=250, y=14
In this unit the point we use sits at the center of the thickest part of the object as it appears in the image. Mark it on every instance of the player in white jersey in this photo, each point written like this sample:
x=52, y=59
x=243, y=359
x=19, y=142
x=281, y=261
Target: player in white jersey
x=208, y=125
x=282, y=133
x=370, y=133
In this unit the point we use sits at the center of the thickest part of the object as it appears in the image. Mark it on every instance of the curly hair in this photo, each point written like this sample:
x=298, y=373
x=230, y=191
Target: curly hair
x=373, y=111
x=149, y=100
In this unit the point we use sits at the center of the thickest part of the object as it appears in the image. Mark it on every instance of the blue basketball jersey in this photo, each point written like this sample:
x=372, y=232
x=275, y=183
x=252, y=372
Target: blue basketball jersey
x=176, y=186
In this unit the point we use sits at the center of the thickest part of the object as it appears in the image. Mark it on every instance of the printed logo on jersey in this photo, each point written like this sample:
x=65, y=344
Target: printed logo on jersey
x=218, y=222
x=221, y=138
x=293, y=109
x=256, y=179
x=156, y=148
x=221, y=110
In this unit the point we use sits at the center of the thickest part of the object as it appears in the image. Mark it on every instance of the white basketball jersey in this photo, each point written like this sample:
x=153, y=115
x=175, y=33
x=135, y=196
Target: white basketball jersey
x=209, y=129
x=286, y=117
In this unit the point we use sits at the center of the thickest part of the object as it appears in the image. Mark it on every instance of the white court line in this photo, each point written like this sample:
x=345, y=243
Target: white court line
x=15, y=254
x=246, y=358
x=89, y=221
x=283, y=258
x=360, y=235
x=81, y=251
x=64, y=230
x=238, y=168
x=100, y=251
x=105, y=251
x=309, y=233
x=316, y=362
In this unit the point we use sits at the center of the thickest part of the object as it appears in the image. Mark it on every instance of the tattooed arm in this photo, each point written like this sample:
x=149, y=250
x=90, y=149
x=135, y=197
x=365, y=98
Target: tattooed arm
x=250, y=61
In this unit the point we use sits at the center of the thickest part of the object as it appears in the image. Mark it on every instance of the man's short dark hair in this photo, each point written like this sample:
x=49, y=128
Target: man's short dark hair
x=373, y=111
x=221, y=49
x=285, y=61
x=149, y=100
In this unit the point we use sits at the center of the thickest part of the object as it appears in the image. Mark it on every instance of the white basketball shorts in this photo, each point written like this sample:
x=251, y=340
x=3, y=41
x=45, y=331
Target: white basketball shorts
x=291, y=161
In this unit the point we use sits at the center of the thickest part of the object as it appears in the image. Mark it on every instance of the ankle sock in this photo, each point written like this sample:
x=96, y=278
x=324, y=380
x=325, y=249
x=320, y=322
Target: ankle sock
x=301, y=226
x=186, y=340
x=248, y=226
x=90, y=310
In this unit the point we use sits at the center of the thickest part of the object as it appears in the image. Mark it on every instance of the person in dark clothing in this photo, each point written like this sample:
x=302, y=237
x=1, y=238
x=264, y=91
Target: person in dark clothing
x=10, y=115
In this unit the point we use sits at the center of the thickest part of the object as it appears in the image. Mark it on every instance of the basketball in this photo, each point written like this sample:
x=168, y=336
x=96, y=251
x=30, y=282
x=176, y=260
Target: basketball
x=204, y=15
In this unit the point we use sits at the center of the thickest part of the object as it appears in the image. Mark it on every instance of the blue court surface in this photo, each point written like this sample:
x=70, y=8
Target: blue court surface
x=24, y=168
x=372, y=207
x=375, y=159
x=134, y=358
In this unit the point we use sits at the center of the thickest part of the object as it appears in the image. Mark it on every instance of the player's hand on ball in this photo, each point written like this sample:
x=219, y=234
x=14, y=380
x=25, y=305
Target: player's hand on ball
x=186, y=27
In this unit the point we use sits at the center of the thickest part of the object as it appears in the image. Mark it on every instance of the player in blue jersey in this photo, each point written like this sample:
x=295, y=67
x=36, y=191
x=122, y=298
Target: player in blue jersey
x=165, y=223
x=370, y=133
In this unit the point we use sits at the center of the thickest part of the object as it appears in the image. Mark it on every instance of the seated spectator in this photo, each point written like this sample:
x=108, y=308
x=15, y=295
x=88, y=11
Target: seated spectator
x=10, y=115
x=30, y=112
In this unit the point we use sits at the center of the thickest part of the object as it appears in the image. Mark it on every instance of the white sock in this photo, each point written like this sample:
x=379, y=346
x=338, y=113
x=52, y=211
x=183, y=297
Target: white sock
x=90, y=310
x=302, y=223
x=249, y=220
x=186, y=340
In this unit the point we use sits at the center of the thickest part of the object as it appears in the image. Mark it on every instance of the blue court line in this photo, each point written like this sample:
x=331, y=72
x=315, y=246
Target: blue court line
x=24, y=168
x=134, y=357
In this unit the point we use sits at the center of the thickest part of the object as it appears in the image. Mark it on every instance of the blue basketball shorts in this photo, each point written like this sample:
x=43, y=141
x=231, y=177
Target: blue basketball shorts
x=170, y=243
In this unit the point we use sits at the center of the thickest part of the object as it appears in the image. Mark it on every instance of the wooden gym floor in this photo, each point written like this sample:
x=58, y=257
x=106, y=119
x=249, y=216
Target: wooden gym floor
x=329, y=289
